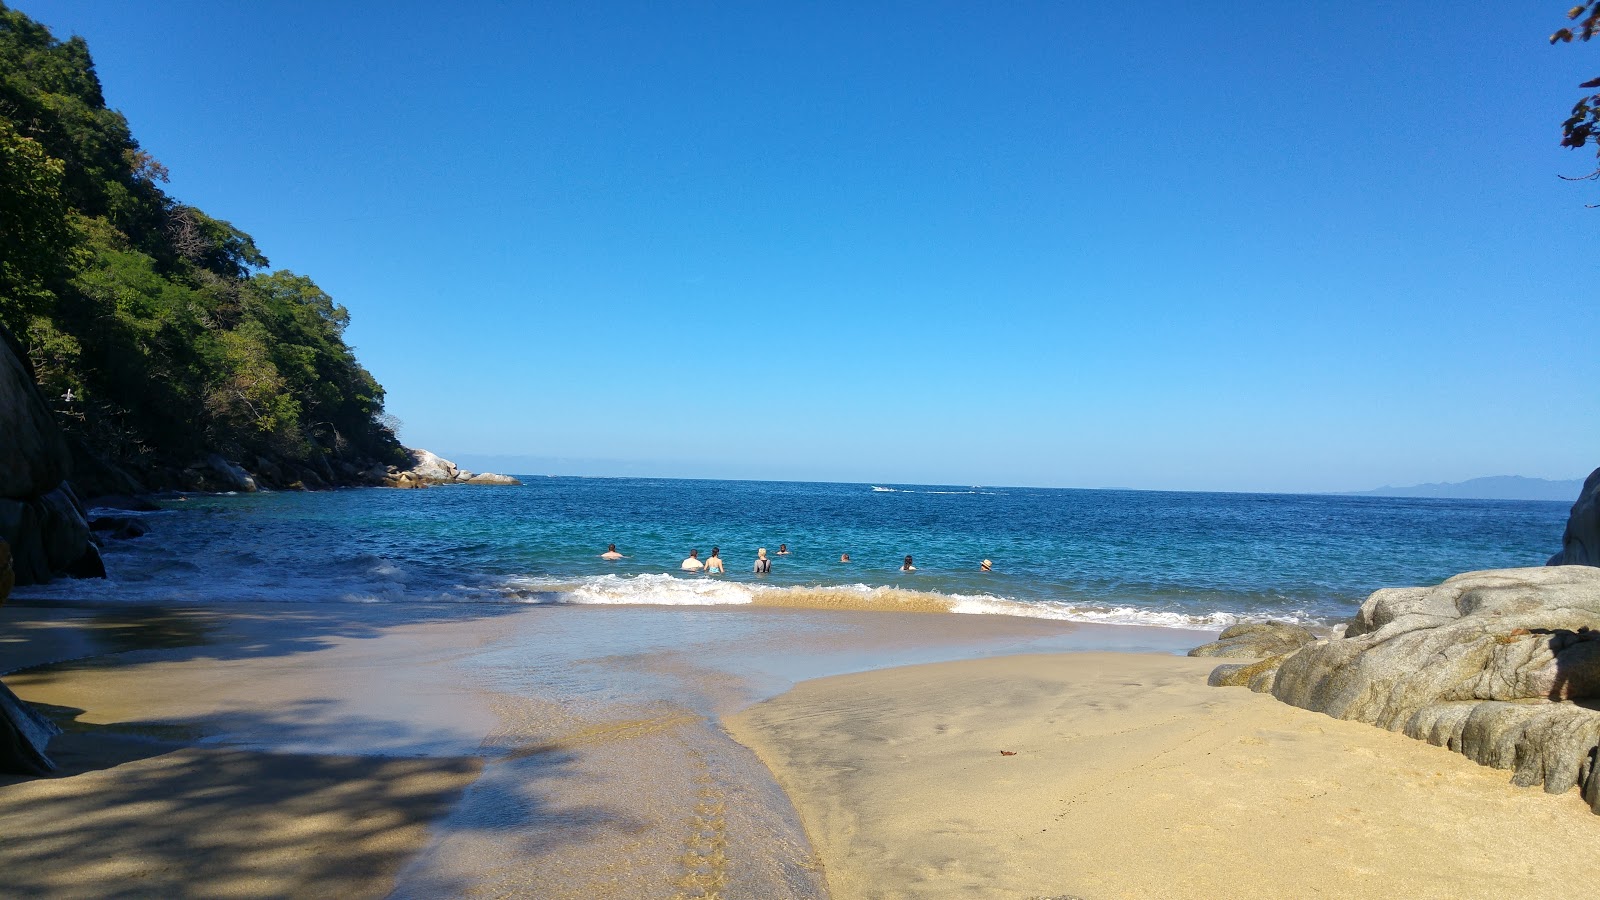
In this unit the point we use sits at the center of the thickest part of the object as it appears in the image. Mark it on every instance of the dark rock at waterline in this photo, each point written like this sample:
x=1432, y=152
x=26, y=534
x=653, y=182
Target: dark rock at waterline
x=47, y=535
x=128, y=502
x=120, y=527
x=1580, y=543
x=1256, y=640
x=89, y=564
x=1502, y=666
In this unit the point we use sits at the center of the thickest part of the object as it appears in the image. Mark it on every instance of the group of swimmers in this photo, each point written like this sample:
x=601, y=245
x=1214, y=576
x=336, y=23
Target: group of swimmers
x=713, y=565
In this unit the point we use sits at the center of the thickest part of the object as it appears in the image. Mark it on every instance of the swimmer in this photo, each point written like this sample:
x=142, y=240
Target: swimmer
x=611, y=553
x=844, y=557
x=763, y=565
x=907, y=566
x=693, y=563
x=714, y=563
x=986, y=566
x=783, y=549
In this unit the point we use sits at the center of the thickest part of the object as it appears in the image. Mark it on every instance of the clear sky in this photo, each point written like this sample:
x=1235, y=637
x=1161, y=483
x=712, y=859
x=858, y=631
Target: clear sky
x=1239, y=246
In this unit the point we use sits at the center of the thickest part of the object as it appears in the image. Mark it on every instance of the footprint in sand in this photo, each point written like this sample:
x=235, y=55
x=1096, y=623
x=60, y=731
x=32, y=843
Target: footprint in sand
x=705, y=860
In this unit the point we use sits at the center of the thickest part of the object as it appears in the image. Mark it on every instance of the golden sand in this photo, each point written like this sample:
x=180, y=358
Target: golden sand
x=1132, y=778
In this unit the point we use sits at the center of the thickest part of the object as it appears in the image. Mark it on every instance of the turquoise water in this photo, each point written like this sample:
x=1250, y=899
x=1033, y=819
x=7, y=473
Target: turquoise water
x=1126, y=556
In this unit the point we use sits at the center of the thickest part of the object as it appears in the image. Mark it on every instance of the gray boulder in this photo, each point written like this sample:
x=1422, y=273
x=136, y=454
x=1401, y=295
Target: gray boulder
x=236, y=478
x=1502, y=666
x=1256, y=640
x=430, y=468
x=1580, y=544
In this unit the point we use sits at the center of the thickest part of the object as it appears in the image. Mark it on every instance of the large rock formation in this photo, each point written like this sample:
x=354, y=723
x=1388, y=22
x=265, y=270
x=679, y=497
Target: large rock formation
x=429, y=468
x=40, y=516
x=1580, y=545
x=1502, y=666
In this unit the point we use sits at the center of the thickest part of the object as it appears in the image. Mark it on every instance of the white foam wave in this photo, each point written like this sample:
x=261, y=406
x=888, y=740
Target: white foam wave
x=669, y=590
x=890, y=490
x=1102, y=615
x=659, y=590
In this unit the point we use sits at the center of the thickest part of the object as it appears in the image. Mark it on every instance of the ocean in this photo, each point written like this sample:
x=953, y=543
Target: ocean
x=1201, y=560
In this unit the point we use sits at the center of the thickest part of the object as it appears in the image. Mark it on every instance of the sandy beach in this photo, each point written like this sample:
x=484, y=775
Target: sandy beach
x=408, y=750
x=264, y=750
x=1132, y=778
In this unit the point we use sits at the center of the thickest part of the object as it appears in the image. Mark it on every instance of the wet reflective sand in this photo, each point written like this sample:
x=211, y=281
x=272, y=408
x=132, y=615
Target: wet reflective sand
x=605, y=771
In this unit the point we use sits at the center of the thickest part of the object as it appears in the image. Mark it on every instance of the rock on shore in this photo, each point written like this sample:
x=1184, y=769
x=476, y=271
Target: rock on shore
x=1502, y=666
x=1256, y=640
x=1580, y=544
x=430, y=468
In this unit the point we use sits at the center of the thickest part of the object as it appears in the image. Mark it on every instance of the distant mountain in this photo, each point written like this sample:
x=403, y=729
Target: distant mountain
x=1494, y=487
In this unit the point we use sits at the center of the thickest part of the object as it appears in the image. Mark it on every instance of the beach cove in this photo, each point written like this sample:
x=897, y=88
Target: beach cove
x=606, y=751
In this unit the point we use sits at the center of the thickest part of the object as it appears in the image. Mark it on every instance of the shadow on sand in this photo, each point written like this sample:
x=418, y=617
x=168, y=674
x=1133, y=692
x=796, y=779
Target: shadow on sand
x=140, y=808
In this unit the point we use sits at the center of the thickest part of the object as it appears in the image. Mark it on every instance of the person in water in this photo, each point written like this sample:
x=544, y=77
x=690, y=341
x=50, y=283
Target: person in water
x=844, y=557
x=693, y=563
x=611, y=553
x=907, y=566
x=783, y=549
x=986, y=566
x=763, y=565
x=714, y=563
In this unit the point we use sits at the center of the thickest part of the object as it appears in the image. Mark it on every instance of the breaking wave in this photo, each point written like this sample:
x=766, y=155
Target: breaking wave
x=667, y=590
x=890, y=490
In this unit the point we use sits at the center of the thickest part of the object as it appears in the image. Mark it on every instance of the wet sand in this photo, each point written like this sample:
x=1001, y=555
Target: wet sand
x=260, y=750
x=1132, y=778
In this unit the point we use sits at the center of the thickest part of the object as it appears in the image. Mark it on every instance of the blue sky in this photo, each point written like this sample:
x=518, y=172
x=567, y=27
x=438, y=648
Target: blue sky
x=1246, y=246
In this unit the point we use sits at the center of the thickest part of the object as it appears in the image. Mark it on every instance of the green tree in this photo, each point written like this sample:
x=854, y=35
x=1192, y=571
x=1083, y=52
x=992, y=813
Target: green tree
x=38, y=241
x=155, y=317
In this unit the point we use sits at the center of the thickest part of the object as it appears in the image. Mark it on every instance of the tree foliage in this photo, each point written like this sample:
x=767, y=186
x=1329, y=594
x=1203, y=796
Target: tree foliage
x=159, y=319
x=1583, y=126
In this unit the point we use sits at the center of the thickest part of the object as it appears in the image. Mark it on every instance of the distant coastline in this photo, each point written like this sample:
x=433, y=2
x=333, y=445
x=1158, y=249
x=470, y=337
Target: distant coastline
x=1493, y=487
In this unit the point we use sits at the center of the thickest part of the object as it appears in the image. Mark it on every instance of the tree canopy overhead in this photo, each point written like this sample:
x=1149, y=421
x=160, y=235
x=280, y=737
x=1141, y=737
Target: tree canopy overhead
x=156, y=329
x=1583, y=126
